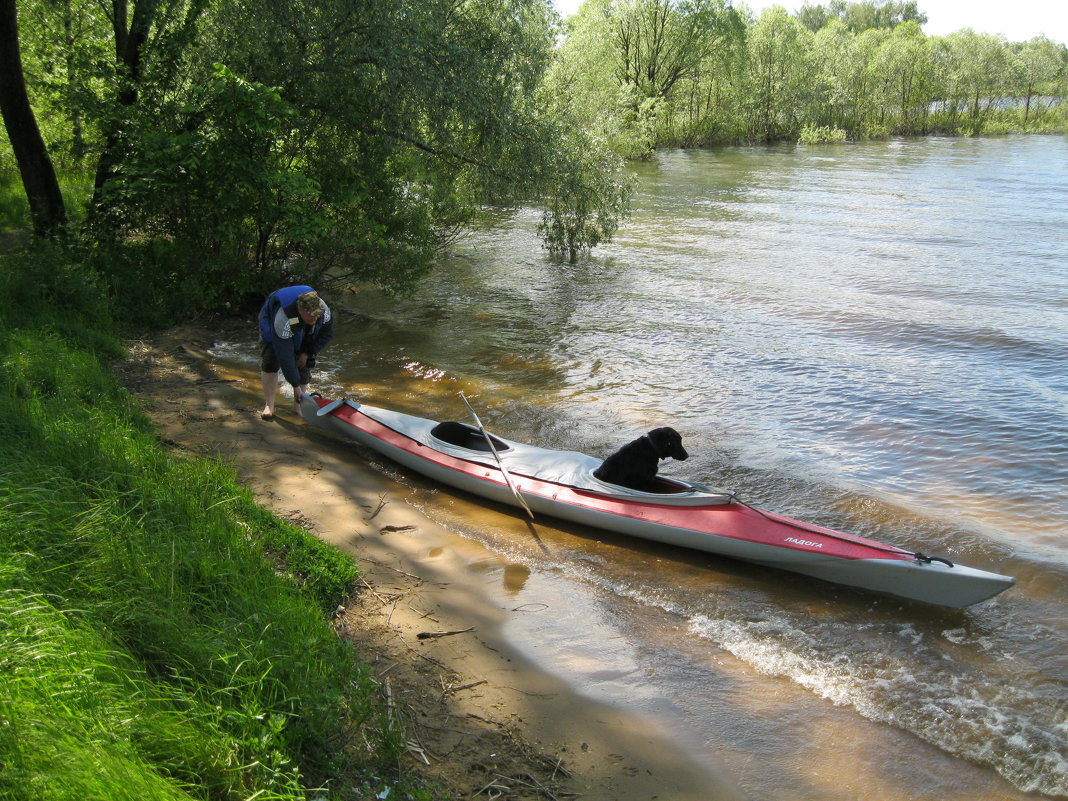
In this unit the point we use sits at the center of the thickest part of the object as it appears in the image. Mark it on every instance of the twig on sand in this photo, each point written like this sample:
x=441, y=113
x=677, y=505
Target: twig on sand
x=468, y=686
x=559, y=768
x=394, y=569
x=426, y=635
x=416, y=748
x=372, y=589
x=497, y=787
x=381, y=504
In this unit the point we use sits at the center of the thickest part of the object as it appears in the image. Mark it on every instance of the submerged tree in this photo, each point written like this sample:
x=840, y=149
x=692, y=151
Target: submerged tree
x=777, y=76
x=901, y=76
x=1038, y=63
x=975, y=76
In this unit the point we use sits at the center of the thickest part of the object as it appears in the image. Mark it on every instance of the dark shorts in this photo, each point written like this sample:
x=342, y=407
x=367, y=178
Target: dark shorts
x=269, y=363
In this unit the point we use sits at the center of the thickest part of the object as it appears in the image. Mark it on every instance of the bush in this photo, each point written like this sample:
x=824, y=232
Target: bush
x=820, y=134
x=47, y=289
x=163, y=636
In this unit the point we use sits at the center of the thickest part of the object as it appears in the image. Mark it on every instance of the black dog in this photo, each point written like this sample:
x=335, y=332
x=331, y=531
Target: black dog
x=636, y=463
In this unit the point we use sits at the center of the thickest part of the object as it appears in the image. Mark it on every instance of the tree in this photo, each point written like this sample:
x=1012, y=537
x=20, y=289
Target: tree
x=779, y=51
x=975, y=73
x=245, y=144
x=1039, y=60
x=900, y=71
x=660, y=41
x=650, y=57
x=703, y=108
x=585, y=79
x=582, y=74
x=814, y=17
x=835, y=63
x=590, y=204
x=66, y=57
x=142, y=31
x=35, y=166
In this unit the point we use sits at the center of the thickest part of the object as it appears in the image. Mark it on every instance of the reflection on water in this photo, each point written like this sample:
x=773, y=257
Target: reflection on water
x=872, y=337
x=515, y=576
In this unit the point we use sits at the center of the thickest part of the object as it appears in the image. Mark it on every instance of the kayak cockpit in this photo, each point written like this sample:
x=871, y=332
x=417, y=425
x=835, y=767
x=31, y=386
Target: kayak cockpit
x=561, y=467
x=463, y=435
x=663, y=485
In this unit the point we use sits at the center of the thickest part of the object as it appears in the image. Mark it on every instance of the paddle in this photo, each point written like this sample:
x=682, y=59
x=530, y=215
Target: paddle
x=500, y=464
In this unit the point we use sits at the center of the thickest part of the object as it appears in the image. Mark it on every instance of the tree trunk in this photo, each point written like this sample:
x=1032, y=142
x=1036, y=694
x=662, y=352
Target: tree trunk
x=35, y=165
x=130, y=37
x=77, y=138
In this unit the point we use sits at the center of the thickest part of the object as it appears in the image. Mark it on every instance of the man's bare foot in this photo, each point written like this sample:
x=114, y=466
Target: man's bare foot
x=267, y=413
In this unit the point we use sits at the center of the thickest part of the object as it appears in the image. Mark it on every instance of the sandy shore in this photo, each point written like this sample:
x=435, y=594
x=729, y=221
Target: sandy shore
x=478, y=717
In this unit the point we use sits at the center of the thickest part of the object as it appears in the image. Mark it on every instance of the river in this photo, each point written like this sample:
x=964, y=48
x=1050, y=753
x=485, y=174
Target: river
x=872, y=337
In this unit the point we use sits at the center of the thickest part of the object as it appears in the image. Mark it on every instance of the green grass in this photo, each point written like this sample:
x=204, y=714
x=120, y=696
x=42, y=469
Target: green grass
x=76, y=184
x=161, y=635
x=14, y=210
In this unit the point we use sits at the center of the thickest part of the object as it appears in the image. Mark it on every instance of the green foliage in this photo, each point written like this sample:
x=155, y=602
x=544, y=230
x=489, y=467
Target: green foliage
x=817, y=134
x=636, y=118
x=244, y=146
x=46, y=288
x=777, y=79
x=587, y=204
x=215, y=202
x=630, y=67
x=237, y=146
x=161, y=635
x=14, y=210
x=67, y=59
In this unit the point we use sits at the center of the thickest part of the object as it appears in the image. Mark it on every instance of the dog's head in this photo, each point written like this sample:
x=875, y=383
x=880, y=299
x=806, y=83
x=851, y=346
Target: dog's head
x=667, y=442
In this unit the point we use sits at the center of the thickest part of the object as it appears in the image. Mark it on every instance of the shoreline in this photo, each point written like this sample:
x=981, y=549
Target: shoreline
x=479, y=717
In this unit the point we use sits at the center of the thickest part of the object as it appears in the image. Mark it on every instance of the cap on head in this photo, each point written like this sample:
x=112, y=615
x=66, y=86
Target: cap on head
x=310, y=304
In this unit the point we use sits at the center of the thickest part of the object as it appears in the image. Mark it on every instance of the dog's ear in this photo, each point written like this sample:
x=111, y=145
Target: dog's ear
x=680, y=452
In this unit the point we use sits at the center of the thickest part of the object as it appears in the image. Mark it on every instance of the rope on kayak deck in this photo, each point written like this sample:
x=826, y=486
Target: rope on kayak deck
x=919, y=557
x=928, y=559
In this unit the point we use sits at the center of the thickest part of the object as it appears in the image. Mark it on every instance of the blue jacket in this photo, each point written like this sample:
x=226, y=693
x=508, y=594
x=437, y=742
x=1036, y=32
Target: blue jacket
x=281, y=326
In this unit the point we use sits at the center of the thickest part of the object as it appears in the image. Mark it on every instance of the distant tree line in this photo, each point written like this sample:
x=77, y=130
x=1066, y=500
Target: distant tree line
x=653, y=73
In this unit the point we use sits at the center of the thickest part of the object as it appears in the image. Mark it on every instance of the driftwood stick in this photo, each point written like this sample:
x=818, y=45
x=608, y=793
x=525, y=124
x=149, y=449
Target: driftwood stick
x=381, y=503
x=396, y=570
x=426, y=635
x=465, y=686
x=375, y=594
x=392, y=528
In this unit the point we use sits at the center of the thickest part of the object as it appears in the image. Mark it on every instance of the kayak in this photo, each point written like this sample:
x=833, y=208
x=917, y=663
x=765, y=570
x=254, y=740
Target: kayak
x=561, y=484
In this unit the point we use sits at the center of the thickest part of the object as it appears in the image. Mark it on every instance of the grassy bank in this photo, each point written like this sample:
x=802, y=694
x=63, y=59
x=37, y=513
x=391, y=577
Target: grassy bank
x=161, y=635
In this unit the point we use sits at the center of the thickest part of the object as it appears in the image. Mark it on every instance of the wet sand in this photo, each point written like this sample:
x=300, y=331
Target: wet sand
x=478, y=716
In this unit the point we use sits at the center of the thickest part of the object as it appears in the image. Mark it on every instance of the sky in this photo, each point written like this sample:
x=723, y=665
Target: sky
x=1018, y=20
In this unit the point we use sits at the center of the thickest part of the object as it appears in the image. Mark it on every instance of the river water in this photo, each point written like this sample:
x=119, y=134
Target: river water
x=872, y=337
